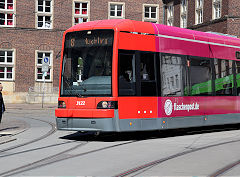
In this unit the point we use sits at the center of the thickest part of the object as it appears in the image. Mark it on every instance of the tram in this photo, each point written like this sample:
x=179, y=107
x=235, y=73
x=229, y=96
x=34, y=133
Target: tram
x=124, y=75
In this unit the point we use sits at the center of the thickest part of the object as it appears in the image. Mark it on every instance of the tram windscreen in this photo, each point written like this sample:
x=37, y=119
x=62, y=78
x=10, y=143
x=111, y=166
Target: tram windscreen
x=87, y=63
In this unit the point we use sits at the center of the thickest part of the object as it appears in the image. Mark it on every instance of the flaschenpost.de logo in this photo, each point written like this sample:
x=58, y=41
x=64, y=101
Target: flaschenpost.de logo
x=169, y=107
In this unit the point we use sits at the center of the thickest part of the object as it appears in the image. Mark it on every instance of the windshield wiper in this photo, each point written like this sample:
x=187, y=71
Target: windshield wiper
x=75, y=90
x=69, y=86
x=84, y=88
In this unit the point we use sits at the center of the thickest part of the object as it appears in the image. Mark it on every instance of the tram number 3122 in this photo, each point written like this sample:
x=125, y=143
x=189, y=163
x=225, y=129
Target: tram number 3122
x=80, y=103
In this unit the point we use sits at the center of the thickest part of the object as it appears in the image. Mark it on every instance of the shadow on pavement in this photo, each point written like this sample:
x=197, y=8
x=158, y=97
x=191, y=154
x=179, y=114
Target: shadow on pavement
x=138, y=136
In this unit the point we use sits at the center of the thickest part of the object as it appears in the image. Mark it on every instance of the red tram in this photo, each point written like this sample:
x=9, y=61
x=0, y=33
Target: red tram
x=124, y=75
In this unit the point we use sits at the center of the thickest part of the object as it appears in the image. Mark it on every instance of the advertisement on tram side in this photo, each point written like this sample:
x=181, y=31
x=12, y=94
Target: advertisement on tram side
x=194, y=106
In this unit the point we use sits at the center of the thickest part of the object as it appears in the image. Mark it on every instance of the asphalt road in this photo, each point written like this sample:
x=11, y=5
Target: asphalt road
x=36, y=148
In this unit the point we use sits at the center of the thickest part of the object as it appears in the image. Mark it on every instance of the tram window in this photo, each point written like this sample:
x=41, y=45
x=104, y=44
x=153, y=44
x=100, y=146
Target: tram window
x=173, y=75
x=127, y=74
x=224, y=85
x=147, y=74
x=200, y=77
x=238, y=76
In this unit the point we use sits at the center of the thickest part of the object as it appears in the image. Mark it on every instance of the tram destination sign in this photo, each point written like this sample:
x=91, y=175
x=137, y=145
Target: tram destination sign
x=95, y=38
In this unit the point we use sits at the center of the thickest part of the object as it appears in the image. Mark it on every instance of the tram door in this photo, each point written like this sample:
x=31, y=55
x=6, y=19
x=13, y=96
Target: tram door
x=127, y=92
x=136, y=106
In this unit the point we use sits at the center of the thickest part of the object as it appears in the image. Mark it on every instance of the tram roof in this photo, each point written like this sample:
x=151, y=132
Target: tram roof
x=139, y=27
x=116, y=24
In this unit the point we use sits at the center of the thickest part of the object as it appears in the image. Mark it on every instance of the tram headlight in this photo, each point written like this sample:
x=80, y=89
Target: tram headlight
x=107, y=105
x=104, y=104
x=61, y=104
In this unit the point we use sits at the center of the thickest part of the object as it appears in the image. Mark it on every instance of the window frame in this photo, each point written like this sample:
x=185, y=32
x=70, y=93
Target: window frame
x=44, y=14
x=165, y=78
x=223, y=71
x=115, y=10
x=183, y=13
x=6, y=64
x=170, y=14
x=138, y=85
x=199, y=11
x=131, y=87
x=80, y=15
x=149, y=82
x=214, y=9
x=192, y=59
x=150, y=19
x=7, y=12
x=38, y=66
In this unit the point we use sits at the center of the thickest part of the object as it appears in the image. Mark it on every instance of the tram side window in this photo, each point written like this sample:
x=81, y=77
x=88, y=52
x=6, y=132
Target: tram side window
x=147, y=74
x=200, y=77
x=127, y=74
x=173, y=75
x=224, y=85
x=238, y=76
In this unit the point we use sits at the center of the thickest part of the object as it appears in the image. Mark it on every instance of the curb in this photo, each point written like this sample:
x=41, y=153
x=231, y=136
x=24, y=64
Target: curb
x=26, y=106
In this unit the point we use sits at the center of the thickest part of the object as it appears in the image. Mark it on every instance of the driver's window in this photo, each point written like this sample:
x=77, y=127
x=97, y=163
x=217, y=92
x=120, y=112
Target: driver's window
x=127, y=74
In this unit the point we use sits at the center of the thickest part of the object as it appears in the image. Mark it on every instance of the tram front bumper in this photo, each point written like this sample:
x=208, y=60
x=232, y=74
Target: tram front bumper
x=85, y=119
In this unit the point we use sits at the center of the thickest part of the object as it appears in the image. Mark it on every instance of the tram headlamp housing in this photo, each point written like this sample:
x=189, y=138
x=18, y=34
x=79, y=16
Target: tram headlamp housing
x=61, y=104
x=104, y=104
x=107, y=105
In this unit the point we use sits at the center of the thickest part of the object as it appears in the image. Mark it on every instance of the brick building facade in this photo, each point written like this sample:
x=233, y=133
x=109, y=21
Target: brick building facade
x=222, y=16
x=32, y=30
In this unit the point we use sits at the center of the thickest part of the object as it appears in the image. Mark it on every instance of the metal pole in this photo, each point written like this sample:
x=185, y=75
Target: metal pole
x=43, y=87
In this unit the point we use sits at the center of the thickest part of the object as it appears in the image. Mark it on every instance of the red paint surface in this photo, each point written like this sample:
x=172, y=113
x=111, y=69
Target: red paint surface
x=84, y=107
x=129, y=107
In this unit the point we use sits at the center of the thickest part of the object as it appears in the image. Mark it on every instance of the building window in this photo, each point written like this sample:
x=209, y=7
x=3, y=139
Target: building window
x=6, y=64
x=44, y=14
x=116, y=10
x=40, y=57
x=151, y=13
x=199, y=11
x=183, y=14
x=170, y=14
x=81, y=12
x=216, y=9
x=6, y=13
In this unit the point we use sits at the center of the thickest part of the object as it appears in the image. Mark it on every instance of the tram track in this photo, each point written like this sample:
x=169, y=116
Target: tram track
x=57, y=158
x=144, y=167
x=48, y=160
x=35, y=149
x=225, y=169
x=50, y=132
x=131, y=172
